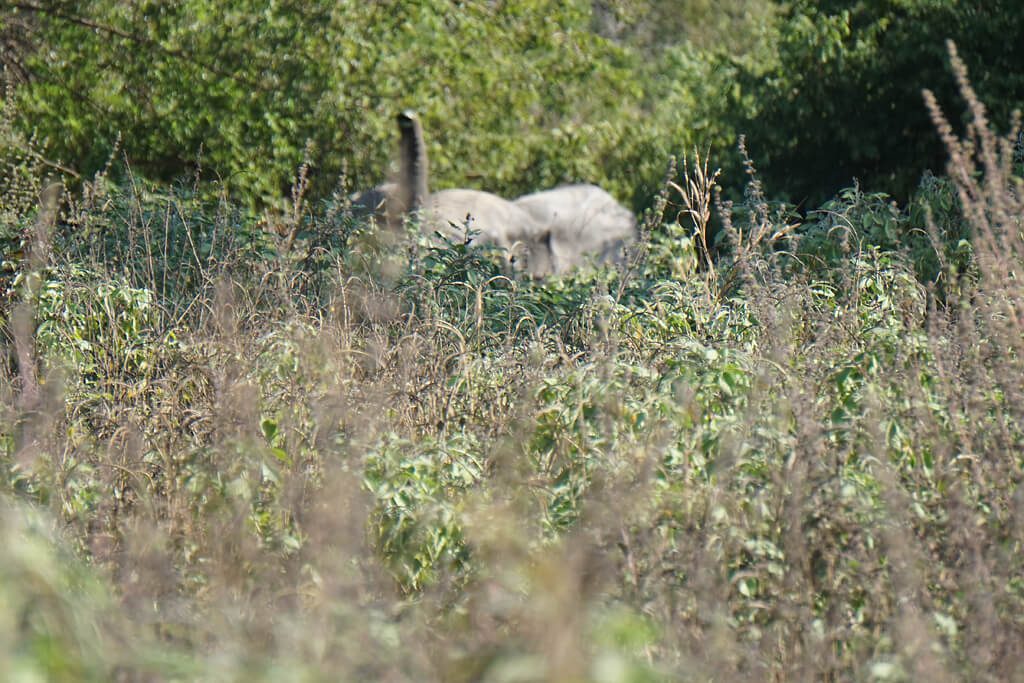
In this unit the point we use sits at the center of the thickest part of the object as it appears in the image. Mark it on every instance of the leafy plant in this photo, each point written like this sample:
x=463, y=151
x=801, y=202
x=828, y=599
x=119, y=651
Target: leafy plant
x=844, y=100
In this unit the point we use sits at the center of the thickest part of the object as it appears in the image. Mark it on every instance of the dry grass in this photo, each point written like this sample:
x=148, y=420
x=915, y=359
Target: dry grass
x=226, y=460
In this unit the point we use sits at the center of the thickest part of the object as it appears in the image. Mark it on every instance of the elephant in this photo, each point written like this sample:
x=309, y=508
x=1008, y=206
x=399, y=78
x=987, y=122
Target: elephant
x=584, y=221
x=476, y=216
x=374, y=203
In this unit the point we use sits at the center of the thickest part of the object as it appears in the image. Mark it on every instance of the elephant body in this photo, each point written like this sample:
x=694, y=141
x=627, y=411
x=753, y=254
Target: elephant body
x=584, y=220
x=545, y=232
x=487, y=219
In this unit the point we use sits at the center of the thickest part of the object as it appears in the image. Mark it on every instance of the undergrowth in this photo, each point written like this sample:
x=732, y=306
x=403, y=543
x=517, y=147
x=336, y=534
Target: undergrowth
x=235, y=448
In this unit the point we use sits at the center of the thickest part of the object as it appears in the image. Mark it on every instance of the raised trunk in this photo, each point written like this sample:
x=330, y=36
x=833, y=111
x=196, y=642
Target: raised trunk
x=413, y=171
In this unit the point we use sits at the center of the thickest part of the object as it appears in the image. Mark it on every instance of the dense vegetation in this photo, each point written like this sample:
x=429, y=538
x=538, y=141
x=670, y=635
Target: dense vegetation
x=514, y=95
x=246, y=436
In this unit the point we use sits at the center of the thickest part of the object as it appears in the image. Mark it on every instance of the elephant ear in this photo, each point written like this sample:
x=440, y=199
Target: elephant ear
x=372, y=202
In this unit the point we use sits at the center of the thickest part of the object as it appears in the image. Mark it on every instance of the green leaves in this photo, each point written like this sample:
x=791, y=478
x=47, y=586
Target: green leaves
x=417, y=487
x=99, y=331
x=239, y=88
x=843, y=102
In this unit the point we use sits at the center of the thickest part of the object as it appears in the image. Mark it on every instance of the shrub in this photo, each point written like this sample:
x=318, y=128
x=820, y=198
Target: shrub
x=844, y=101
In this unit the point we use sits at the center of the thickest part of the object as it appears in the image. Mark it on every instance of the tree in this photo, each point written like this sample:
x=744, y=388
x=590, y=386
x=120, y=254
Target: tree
x=844, y=101
x=241, y=87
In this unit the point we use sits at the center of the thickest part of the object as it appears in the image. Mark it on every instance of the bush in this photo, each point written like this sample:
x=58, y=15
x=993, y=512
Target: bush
x=844, y=100
x=239, y=90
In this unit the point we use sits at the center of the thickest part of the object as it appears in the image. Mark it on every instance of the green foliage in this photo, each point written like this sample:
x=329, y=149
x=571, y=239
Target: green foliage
x=291, y=447
x=466, y=287
x=931, y=231
x=514, y=98
x=22, y=177
x=542, y=93
x=239, y=89
x=844, y=99
x=417, y=488
x=625, y=450
x=102, y=330
x=52, y=606
x=734, y=27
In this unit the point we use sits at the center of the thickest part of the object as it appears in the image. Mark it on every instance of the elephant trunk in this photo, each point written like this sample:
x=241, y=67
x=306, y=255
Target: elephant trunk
x=413, y=166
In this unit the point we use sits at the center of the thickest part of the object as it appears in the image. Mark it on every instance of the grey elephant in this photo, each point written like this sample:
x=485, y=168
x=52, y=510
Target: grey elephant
x=457, y=214
x=585, y=222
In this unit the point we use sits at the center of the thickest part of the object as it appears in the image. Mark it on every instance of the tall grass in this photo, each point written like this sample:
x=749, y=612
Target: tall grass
x=237, y=453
